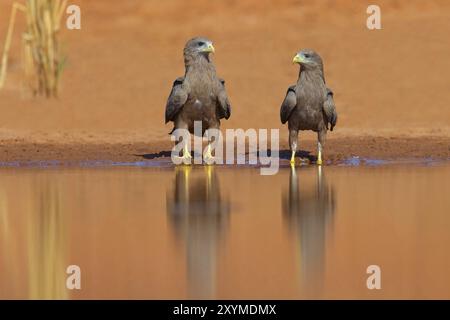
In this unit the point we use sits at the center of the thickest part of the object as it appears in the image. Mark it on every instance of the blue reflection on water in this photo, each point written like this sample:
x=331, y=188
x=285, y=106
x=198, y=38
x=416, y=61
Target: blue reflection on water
x=353, y=161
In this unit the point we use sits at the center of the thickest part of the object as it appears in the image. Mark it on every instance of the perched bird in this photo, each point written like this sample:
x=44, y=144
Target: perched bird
x=199, y=95
x=309, y=104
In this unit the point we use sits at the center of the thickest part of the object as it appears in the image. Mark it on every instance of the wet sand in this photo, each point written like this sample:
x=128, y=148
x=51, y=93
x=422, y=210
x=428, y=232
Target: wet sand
x=336, y=151
x=225, y=233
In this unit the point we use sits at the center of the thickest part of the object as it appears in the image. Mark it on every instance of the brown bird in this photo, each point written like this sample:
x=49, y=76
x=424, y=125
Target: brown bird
x=199, y=95
x=309, y=104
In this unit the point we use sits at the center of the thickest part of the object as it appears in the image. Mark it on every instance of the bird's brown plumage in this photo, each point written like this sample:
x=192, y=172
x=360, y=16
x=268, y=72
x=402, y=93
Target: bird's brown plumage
x=199, y=95
x=309, y=104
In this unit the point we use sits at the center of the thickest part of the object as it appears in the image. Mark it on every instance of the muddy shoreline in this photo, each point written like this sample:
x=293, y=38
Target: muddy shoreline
x=337, y=150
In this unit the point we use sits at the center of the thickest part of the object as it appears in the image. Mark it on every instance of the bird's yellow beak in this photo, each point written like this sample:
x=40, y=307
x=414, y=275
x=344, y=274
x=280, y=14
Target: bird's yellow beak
x=209, y=48
x=298, y=59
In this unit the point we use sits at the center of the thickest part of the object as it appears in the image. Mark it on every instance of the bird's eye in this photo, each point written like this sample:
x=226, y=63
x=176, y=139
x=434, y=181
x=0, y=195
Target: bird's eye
x=306, y=55
x=201, y=44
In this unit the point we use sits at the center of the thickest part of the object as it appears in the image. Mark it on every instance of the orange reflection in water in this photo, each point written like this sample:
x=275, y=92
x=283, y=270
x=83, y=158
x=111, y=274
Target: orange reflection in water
x=206, y=232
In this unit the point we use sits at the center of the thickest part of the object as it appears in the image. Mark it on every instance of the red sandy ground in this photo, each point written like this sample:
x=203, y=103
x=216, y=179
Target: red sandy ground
x=391, y=86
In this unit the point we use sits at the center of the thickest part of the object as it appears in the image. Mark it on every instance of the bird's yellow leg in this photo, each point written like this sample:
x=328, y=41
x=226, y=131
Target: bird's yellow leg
x=293, y=158
x=319, y=153
x=208, y=156
x=186, y=155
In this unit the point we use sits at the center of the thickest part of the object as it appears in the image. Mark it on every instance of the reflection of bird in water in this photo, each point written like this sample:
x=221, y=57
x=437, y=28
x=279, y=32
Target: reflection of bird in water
x=308, y=213
x=199, y=217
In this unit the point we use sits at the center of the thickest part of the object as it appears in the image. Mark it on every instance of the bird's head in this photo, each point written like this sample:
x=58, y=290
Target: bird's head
x=198, y=46
x=308, y=59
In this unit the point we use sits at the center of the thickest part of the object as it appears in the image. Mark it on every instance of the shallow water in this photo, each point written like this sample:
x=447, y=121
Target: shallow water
x=204, y=232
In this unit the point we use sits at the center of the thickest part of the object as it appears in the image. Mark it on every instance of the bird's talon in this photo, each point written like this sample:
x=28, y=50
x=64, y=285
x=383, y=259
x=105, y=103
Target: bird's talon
x=304, y=160
x=209, y=159
x=184, y=160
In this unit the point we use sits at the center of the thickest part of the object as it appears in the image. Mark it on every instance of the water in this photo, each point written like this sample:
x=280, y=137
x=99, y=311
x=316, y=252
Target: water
x=173, y=233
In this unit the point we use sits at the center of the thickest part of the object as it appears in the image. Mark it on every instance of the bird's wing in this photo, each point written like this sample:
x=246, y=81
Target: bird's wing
x=178, y=97
x=330, y=110
x=224, y=106
x=289, y=104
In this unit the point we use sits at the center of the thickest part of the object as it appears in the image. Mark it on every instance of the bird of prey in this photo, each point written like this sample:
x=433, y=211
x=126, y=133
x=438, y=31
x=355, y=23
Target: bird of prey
x=309, y=104
x=199, y=95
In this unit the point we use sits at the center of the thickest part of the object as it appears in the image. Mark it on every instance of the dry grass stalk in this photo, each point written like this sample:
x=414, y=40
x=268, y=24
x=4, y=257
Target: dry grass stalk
x=41, y=56
x=4, y=63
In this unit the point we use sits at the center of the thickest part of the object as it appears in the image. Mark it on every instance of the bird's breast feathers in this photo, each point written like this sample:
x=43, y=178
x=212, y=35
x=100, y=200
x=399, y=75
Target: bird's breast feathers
x=197, y=104
x=313, y=96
